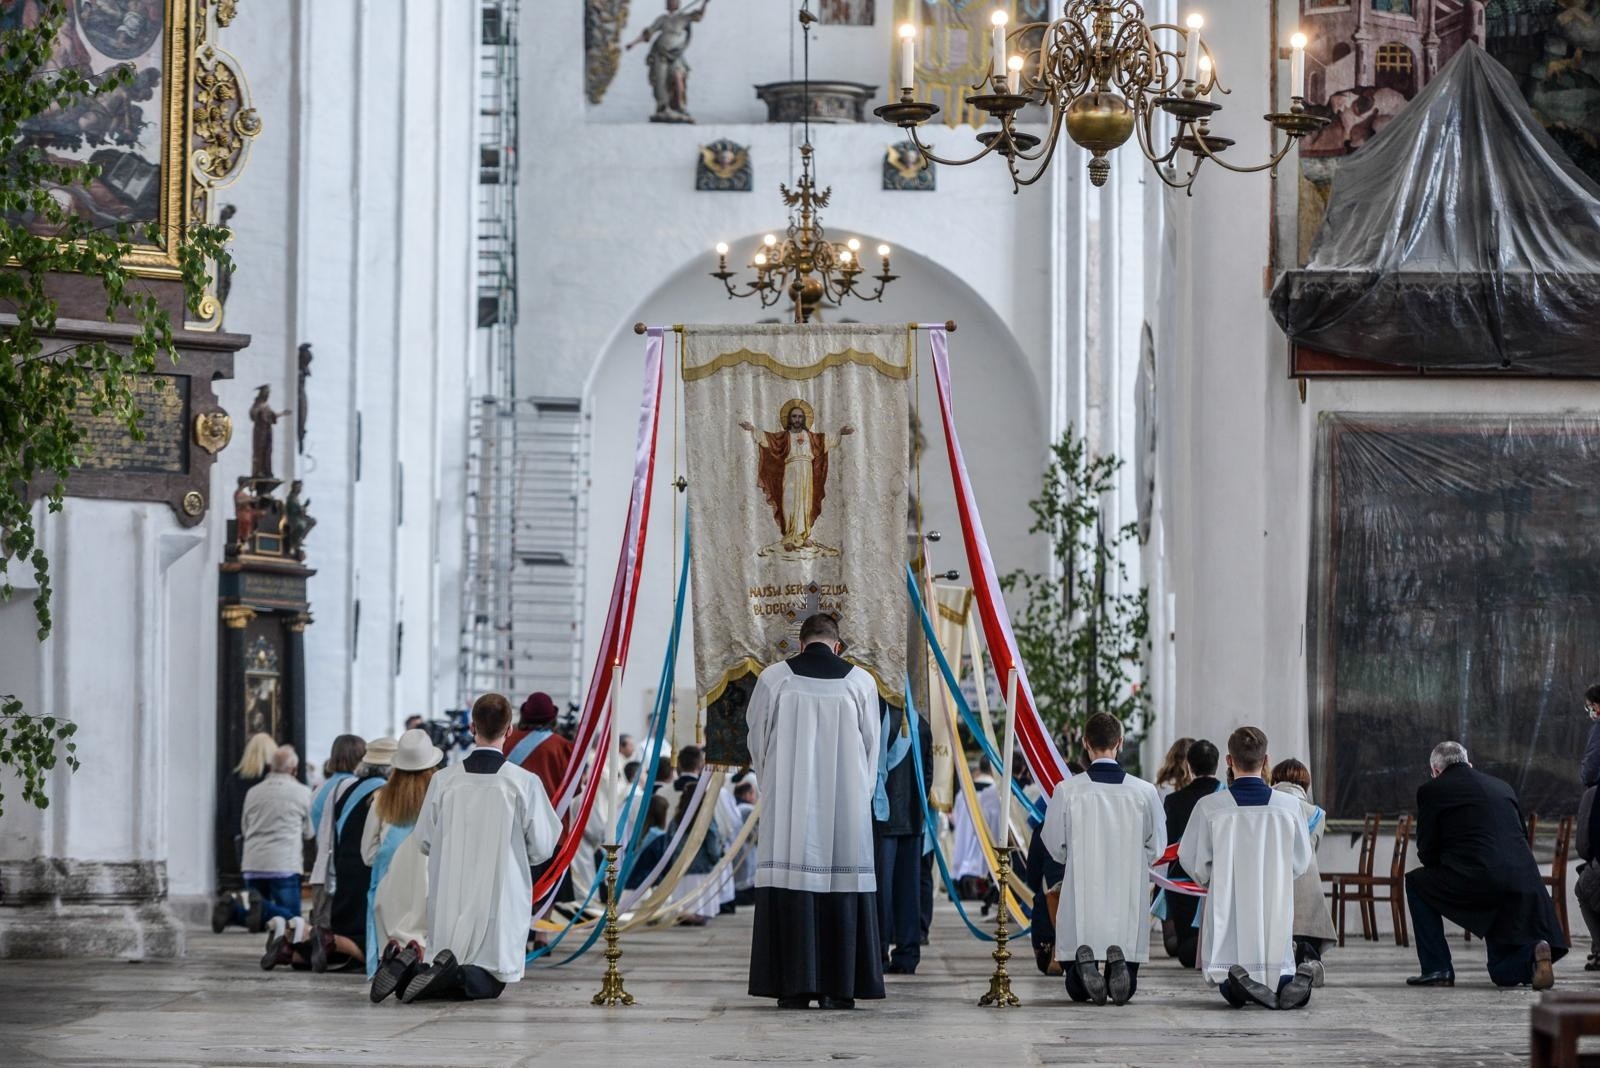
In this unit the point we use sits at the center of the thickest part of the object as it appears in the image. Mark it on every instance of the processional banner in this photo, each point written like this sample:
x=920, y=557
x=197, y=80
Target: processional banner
x=799, y=444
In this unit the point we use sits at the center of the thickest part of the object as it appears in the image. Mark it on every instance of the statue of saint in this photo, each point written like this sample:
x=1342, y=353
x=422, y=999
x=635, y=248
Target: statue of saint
x=792, y=473
x=669, y=38
x=261, y=418
x=297, y=522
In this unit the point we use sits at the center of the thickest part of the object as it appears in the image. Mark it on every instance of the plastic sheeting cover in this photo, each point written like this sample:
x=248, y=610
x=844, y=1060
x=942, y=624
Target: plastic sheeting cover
x=1455, y=594
x=1461, y=237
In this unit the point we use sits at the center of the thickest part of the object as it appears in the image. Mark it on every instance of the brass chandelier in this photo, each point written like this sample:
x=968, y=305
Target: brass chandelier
x=804, y=264
x=1104, y=76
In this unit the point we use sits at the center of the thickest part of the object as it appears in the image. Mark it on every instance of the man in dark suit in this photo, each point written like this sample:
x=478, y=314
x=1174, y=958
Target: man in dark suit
x=897, y=834
x=1477, y=871
x=1181, y=936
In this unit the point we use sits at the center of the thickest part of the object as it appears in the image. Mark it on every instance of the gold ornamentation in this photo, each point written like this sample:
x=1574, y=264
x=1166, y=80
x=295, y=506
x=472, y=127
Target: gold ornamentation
x=226, y=10
x=223, y=121
x=611, y=992
x=603, y=21
x=213, y=431
x=724, y=164
x=1000, y=995
x=906, y=161
x=298, y=622
x=193, y=503
x=237, y=616
x=765, y=361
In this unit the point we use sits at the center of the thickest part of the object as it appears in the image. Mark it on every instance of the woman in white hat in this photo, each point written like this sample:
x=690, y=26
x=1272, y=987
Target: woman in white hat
x=397, y=905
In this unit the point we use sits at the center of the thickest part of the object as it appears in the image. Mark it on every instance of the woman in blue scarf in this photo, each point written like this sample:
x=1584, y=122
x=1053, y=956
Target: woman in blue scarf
x=397, y=898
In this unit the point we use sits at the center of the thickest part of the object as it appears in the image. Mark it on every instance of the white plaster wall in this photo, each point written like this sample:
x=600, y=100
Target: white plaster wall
x=354, y=233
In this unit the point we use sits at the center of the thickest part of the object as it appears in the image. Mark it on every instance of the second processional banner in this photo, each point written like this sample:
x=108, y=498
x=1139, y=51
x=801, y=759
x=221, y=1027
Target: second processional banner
x=799, y=444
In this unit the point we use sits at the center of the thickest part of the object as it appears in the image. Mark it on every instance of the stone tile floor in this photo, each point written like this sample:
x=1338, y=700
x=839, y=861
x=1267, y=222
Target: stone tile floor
x=217, y=1008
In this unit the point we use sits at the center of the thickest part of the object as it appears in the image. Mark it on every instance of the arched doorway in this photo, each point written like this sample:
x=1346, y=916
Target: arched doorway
x=999, y=399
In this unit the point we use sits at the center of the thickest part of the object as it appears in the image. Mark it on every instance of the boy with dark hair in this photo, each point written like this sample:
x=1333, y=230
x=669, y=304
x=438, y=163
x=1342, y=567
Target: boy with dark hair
x=1247, y=844
x=1107, y=828
x=484, y=823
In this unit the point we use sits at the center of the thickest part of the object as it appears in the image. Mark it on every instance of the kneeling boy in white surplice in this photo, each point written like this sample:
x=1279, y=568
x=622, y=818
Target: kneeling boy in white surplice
x=1248, y=844
x=1107, y=827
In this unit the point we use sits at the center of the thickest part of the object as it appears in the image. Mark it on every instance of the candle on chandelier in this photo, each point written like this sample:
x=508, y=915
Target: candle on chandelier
x=999, y=20
x=722, y=252
x=908, y=57
x=1191, y=45
x=1297, y=66
x=883, y=250
x=1014, y=75
x=1206, y=82
x=770, y=240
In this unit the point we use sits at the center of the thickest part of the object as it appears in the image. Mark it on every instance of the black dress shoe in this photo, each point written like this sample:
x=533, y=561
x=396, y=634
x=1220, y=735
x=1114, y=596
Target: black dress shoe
x=836, y=1003
x=321, y=942
x=222, y=913
x=1297, y=991
x=1089, y=975
x=442, y=975
x=794, y=1003
x=896, y=968
x=1119, y=981
x=1257, y=992
x=1433, y=979
x=396, y=972
x=255, y=919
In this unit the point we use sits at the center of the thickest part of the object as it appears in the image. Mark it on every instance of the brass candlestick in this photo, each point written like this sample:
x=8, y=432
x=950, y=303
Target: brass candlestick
x=611, y=992
x=1000, y=994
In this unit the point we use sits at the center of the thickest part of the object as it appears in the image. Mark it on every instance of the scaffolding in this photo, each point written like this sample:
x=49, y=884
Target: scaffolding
x=522, y=579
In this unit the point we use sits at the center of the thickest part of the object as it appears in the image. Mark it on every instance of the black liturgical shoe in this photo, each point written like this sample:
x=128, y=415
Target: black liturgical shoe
x=1119, y=981
x=836, y=1003
x=794, y=1003
x=1297, y=991
x=1089, y=975
x=1257, y=992
x=1433, y=979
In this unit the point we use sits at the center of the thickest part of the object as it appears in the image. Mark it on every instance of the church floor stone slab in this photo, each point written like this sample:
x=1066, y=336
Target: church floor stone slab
x=216, y=1007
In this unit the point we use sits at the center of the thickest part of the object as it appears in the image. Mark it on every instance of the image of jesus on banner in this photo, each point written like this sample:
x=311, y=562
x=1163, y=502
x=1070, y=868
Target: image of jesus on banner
x=792, y=473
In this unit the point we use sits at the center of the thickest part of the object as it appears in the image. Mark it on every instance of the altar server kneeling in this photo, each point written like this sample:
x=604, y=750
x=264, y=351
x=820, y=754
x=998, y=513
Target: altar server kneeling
x=1248, y=844
x=485, y=822
x=814, y=723
x=1107, y=827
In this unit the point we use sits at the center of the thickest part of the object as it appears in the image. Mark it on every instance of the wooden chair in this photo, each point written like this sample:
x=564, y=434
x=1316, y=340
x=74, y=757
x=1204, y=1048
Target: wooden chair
x=1369, y=847
x=1533, y=829
x=1557, y=1022
x=1369, y=890
x=1557, y=879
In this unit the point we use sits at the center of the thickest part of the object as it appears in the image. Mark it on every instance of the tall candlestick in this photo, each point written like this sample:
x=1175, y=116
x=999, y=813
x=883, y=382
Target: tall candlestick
x=1297, y=66
x=609, y=783
x=999, y=20
x=908, y=56
x=1010, y=752
x=1191, y=45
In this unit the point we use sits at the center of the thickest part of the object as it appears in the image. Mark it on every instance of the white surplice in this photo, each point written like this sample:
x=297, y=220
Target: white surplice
x=481, y=834
x=728, y=825
x=1248, y=856
x=1107, y=835
x=814, y=744
x=966, y=854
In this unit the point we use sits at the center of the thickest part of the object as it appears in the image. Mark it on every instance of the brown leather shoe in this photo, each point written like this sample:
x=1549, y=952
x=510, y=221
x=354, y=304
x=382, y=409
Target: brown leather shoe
x=1544, y=976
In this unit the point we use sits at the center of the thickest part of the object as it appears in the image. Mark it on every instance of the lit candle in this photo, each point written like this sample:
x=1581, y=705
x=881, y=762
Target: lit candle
x=908, y=57
x=1297, y=66
x=1011, y=748
x=1014, y=78
x=999, y=20
x=1191, y=45
x=1205, y=76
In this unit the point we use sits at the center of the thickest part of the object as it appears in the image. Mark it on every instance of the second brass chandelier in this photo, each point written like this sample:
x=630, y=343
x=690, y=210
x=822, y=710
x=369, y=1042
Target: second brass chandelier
x=1105, y=79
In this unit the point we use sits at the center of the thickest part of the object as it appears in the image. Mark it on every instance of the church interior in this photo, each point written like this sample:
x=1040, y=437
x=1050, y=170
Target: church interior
x=1190, y=366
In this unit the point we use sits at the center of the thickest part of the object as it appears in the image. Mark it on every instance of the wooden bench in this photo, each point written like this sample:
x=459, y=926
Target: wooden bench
x=1557, y=1022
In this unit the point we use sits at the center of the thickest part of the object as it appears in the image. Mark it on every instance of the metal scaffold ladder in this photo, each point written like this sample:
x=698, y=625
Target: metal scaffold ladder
x=522, y=580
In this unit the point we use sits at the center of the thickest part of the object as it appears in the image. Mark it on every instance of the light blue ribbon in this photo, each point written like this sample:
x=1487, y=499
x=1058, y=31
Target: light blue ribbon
x=530, y=741
x=1035, y=812
x=354, y=798
x=658, y=731
x=323, y=793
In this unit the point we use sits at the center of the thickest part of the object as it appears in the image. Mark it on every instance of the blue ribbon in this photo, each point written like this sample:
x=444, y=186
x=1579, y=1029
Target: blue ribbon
x=393, y=837
x=931, y=830
x=1034, y=811
x=321, y=799
x=658, y=731
x=890, y=756
x=524, y=748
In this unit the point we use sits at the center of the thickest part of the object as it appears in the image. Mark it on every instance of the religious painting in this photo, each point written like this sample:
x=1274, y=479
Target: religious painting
x=846, y=12
x=906, y=171
x=262, y=707
x=1366, y=59
x=953, y=39
x=723, y=167
x=798, y=451
x=135, y=133
x=1455, y=594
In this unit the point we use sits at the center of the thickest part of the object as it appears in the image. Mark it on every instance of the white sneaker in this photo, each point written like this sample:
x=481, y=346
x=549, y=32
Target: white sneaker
x=275, y=928
x=1317, y=974
x=299, y=930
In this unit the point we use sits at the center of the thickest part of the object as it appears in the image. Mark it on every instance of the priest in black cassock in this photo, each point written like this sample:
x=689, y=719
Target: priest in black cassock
x=814, y=736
